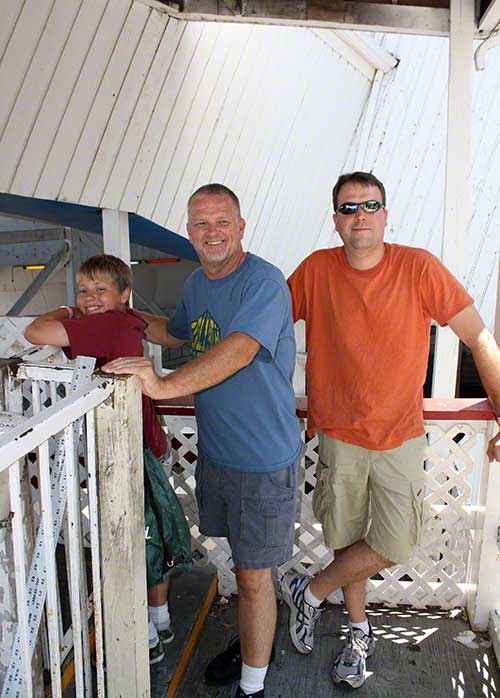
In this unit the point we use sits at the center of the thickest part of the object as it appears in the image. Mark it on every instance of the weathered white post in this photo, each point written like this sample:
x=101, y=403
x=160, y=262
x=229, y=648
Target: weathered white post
x=121, y=504
x=484, y=606
x=115, y=233
x=8, y=613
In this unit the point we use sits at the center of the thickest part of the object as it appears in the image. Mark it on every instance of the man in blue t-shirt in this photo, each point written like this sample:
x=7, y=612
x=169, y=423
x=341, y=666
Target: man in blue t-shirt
x=236, y=311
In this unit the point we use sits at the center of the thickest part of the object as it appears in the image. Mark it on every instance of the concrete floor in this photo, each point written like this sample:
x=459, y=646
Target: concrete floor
x=416, y=656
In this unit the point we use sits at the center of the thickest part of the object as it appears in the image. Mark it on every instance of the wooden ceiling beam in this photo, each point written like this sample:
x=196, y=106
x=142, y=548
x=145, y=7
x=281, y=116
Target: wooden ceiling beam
x=339, y=14
x=490, y=19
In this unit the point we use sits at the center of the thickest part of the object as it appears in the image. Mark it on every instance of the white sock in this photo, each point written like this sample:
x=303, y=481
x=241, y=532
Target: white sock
x=152, y=635
x=252, y=678
x=310, y=598
x=160, y=616
x=364, y=626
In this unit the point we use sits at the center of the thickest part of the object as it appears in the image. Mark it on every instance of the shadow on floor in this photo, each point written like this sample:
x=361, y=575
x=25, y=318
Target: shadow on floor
x=416, y=657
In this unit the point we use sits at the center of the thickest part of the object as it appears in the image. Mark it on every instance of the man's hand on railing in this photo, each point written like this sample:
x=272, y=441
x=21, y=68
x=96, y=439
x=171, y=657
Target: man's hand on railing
x=493, y=450
x=152, y=384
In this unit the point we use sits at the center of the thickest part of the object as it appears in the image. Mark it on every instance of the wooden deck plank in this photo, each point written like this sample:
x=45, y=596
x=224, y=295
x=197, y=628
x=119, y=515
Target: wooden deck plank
x=186, y=597
x=415, y=656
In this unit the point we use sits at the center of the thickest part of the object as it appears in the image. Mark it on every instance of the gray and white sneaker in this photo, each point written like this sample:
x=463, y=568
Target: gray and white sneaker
x=350, y=664
x=302, y=616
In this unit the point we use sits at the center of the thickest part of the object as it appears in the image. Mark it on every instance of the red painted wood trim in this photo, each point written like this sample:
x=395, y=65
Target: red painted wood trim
x=458, y=408
x=455, y=409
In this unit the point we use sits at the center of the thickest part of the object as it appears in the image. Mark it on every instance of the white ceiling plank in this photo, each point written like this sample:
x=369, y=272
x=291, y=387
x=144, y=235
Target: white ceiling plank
x=159, y=120
x=197, y=128
x=123, y=108
x=33, y=89
x=10, y=14
x=208, y=135
x=185, y=74
x=310, y=165
x=81, y=100
x=255, y=57
x=57, y=96
x=290, y=127
x=105, y=100
x=125, y=164
x=182, y=127
x=17, y=59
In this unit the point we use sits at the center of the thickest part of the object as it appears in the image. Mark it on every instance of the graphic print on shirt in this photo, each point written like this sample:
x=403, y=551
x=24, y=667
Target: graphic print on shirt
x=206, y=333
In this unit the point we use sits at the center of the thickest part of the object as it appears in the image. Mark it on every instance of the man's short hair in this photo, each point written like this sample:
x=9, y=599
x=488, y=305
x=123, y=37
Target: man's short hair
x=218, y=189
x=365, y=178
x=114, y=267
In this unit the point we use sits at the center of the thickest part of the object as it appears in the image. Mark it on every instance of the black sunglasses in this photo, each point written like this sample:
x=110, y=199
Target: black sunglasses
x=349, y=207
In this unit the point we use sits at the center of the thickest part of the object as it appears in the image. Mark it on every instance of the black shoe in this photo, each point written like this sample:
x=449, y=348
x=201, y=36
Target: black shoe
x=238, y=693
x=156, y=653
x=225, y=668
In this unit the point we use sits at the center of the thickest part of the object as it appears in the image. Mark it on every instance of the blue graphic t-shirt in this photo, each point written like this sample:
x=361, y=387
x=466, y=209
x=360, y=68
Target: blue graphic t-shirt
x=248, y=421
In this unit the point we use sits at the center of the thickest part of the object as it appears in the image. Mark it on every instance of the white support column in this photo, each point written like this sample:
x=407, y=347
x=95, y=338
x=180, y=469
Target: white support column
x=497, y=309
x=486, y=603
x=116, y=237
x=115, y=233
x=457, y=207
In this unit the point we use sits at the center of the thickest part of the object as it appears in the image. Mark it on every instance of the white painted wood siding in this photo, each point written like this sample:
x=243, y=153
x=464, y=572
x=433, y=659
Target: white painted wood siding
x=406, y=150
x=116, y=105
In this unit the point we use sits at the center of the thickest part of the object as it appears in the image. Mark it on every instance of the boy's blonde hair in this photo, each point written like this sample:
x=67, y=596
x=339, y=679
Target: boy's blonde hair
x=114, y=267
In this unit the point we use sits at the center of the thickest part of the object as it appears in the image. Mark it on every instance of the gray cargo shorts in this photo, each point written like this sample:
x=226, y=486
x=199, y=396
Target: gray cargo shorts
x=254, y=511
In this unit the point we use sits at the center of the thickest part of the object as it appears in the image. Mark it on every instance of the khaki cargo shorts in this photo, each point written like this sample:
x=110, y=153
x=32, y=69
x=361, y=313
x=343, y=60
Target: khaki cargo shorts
x=372, y=495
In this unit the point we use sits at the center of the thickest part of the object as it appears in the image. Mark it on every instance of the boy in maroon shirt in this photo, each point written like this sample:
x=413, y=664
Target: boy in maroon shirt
x=103, y=326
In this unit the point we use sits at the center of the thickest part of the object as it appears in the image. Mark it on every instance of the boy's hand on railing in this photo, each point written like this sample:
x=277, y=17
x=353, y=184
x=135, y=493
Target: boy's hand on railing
x=493, y=450
x=152, y=384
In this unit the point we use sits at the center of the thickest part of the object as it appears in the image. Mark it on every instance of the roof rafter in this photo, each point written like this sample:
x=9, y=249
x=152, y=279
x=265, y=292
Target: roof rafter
x=490, y=19
x=341, y=14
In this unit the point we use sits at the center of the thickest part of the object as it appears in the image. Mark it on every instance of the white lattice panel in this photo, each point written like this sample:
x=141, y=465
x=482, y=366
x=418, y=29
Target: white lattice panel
x=11, y=335
x=50, y=391
x=442, y=569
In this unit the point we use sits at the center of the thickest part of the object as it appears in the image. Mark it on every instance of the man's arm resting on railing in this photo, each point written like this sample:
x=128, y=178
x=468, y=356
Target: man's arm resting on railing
x=157, y=331
x=218, y=363
x=470, y=328
x=48, y=328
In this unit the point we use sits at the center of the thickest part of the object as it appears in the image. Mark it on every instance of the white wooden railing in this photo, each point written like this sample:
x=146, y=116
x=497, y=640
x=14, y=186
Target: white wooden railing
x=65, y=481
x=52, y=436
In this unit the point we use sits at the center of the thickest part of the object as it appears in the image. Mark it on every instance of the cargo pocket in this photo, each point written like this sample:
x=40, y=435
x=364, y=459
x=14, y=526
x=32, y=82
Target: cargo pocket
x=320, y=494
x=417, y=491
x=267, y=522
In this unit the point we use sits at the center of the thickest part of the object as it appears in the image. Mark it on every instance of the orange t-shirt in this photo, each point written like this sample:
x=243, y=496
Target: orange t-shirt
x=367, y=334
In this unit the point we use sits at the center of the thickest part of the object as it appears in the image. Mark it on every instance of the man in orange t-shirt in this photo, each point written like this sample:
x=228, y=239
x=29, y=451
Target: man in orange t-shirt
x=368, y=307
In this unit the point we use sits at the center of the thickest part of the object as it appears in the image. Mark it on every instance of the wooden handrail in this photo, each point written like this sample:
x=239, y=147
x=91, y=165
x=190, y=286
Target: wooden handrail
x=455, y=409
